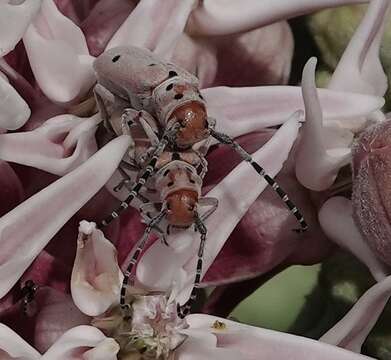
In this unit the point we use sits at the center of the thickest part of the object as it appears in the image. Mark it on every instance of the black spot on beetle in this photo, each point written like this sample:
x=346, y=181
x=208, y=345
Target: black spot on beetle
x=115, y=58
x=151, y=64
x=191, y=181
x=169, y=87
x=178, y=96
x=172, y=74
x=201, y=97
x=175, y=156
x=170, y=184
x=166, y=172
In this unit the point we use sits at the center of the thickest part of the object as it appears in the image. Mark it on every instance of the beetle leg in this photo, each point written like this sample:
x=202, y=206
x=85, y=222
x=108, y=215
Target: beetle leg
x=227, y=140
x=103, y=98
x=208, y=201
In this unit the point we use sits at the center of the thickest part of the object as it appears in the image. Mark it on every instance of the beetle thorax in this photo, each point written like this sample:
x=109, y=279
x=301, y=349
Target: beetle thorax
x=180, y=187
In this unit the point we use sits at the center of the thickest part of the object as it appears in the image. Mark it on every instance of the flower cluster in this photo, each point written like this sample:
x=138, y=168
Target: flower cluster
x=58, y=167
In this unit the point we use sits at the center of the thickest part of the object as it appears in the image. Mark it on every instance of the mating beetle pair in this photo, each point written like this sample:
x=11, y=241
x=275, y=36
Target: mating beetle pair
x=138, y=93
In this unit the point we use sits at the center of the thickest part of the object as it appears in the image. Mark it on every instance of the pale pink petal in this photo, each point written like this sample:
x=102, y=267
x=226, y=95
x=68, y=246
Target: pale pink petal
x=58, y=146
x=233, y=204
x=255, y=343
x=318, y=162
x=12, y=346
x=75, y=344
x=359, y=69
x=14, y=111
x=15, y=17
x=243, y=110
x=58, y=55
x=26, y=230
x=96, y=277
x=56, y=313
x=335, y=218
x=222, y=17
x=352, y=330
x=155, y=25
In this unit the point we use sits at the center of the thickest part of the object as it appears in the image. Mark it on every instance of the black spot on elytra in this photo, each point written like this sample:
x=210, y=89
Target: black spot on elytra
x=178, y=96
x=201, y=97
x=172, y=74
x=166, y=172
x=175, y=156
x=151, y=64
x=115, y=58
x=169, y=87
x=170, y=184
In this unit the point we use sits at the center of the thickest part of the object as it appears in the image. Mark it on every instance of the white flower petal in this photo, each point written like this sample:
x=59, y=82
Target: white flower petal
x=352, y=330
x=317, y=164
x=15, y=17
x=58, y=146
x=58, y=55
x=155, y=25
x=359, y=70
x=12, y=346
x=222, y=17
x=26, y=230
x=262, y=344
x=79, y=338
x=242, y=110
x=14, y=111
x=335, y=218
x=96, y=277
x=234, y=200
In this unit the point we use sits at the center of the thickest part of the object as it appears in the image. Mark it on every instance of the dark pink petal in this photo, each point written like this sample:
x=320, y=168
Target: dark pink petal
x=359, y=69
x=58, y=55
x=222, y=17
x=353, y=329
x=56, y=313
x=259, y=57
x=11, y=191
x=26, y=230
x=58, y=146
x=103, y=21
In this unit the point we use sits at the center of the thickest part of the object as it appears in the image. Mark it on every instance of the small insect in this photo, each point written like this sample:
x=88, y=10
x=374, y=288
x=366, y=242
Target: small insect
x=136, y=89
x=28, y=294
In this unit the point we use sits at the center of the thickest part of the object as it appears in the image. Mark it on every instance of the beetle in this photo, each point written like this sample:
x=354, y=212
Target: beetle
x=28, y=293
x=165, y=101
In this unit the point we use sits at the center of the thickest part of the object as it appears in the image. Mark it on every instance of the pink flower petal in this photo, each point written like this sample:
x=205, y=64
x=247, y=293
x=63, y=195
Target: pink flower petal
x=14, y=111
x=26, y=230
x=96, y=277
x=318, y=162
x=359, y=69
x=58, y=55
x=103, y=21
x=12, y=346
x=222, y=17
x=239, y=111
x=335, y=217
x=233, y=204
x=75, y=341
x=58, y=146
x=254, y=343
x=154, y=25
x=56, y=313
x=15, y=17
x=353, y=329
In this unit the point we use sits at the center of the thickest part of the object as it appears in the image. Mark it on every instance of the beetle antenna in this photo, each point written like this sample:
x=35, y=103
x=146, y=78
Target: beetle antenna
x=129, y=277
x=149, y=170
x=227, y=140
x=185, y=308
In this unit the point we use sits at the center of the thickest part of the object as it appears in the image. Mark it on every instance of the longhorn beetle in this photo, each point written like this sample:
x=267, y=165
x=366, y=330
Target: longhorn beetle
x=168, y=104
